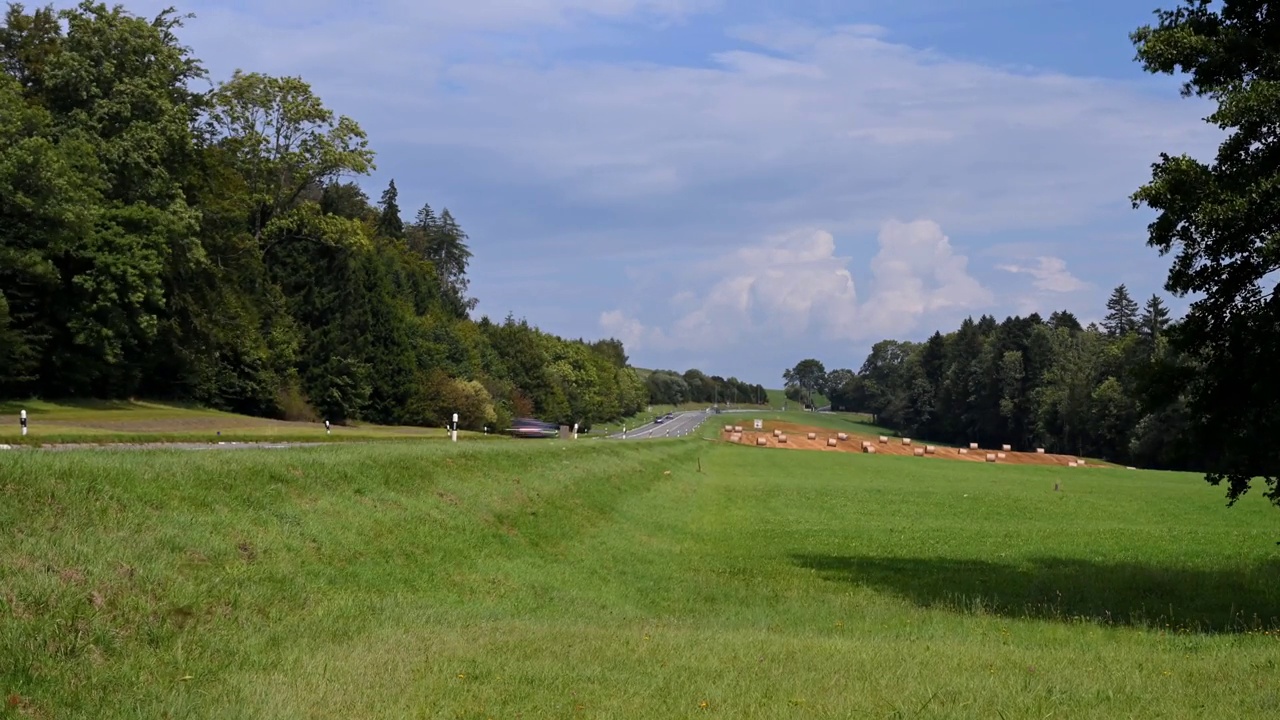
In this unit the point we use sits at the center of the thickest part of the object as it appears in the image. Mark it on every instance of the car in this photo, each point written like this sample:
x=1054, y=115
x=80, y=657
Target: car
x=660, y=419
x=534, y=428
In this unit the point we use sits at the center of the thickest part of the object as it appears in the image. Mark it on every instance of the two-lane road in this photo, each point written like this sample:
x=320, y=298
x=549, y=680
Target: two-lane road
x=682, y=424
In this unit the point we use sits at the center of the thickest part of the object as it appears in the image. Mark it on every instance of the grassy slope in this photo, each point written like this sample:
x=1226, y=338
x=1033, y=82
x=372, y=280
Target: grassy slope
x=129, y=421
x=491, y=579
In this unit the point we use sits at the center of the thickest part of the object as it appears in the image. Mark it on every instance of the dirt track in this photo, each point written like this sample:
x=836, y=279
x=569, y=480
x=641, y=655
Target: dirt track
x=797, y=439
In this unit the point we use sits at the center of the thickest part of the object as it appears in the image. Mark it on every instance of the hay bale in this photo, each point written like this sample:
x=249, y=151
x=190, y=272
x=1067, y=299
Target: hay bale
x=1131, y=468
x=883, y=440
x=991, y=457
x=782, y=438
x=906, y=441
x=831, y=442
x=735, y=438
x=973, y=446
x=1081, y=461
x=930, y=450
x=919, y=452
x=1039, y=451
x=869, y=449
x=813, y=436
x=737, y=428
x=843, y=436
x=1072, y=464
x=777, y=433
x=1007, y=448
x=1001, y=456
x=728, y=428
x=964, y=451
x=761, y=442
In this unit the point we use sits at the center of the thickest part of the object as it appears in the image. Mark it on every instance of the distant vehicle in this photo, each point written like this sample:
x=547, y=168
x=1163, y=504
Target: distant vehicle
x=670, y=415
x=532, y=428
x=660, y=419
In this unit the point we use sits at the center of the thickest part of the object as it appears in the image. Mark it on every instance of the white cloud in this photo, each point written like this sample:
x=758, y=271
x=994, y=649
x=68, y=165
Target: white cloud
x=1050, y=275
x=795, y=285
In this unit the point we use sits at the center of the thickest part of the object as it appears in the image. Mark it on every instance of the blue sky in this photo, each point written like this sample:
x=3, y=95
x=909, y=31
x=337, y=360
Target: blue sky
x=738, y=186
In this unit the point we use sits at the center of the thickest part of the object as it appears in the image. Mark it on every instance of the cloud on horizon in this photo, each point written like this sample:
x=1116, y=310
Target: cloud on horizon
x=612, y=159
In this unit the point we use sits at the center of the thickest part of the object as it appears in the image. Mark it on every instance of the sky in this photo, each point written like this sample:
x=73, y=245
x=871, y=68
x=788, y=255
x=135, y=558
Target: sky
x=738, y=186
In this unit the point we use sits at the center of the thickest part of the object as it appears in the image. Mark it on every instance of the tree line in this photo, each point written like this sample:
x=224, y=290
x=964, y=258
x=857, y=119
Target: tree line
x=1100, y=391
x=211, y=246
x=668, y=387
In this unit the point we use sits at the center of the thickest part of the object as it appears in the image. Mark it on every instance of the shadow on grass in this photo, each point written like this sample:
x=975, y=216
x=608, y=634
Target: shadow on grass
x=1226, y=600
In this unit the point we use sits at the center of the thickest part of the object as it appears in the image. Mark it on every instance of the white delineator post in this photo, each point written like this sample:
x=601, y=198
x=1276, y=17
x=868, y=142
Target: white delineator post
x=455, y=427
x=22, y=420
x=327, y=429
x=575, y=431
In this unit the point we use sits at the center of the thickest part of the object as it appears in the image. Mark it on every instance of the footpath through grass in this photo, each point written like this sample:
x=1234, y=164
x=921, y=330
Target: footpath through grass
x=550, y=579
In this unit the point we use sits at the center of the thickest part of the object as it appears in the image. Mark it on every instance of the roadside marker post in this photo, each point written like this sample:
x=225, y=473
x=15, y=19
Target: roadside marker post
x=22, y=420
x=455, y=427
x=328, y=430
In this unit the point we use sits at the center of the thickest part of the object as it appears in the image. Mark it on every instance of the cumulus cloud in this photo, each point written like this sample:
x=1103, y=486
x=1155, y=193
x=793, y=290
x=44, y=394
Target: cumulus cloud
x=795, y=285
x=1050, y=275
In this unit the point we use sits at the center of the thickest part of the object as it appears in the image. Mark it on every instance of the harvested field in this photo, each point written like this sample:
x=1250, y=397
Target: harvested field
x=798, y=438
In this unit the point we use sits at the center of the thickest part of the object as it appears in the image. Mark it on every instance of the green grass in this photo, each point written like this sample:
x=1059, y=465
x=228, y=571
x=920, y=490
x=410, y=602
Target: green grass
x=100, y=421
x=550, y=579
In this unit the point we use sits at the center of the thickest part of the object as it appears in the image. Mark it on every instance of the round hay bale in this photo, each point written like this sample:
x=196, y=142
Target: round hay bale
x=735, y=438
x=843, y=436
x=973, y=446
x=1039, y=451
x=964, y=451
x=1001, y=456
x=919, y=452
x=869, y=449
x=930, y=450
x=777, y=433
x=1006, y=448
x=737, y=428
x=906, y=441
x=883, y=440
x=1072, y=464
x=991, y=457
x=782, y=438
x=728, y=428
x=813, y=436
x=761, y=442
x=831, y=442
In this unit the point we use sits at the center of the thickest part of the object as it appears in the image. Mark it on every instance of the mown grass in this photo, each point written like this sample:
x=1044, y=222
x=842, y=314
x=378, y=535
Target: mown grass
x=128, y=422
x=550, y=579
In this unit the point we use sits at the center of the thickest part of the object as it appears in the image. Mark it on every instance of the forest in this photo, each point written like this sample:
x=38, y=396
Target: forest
x=214, y=247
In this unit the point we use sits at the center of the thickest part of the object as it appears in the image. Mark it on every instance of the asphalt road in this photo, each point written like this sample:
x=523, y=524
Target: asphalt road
x=682, y=424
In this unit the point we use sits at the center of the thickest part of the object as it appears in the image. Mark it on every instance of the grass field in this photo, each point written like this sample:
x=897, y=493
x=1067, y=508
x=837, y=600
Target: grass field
x=550, y=579
x=143, y=422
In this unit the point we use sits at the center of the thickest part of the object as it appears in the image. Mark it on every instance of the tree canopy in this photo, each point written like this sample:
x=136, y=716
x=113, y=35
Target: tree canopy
x=1221, y=221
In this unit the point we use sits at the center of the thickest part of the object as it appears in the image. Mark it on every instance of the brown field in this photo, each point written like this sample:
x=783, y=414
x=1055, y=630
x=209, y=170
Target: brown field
x=797, y=439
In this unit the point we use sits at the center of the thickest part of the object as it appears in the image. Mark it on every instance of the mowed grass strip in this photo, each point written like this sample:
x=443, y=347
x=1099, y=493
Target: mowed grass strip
x=133, y=422
x=549, y=579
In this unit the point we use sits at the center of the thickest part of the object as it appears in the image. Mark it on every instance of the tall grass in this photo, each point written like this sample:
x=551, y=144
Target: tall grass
x=616, y=580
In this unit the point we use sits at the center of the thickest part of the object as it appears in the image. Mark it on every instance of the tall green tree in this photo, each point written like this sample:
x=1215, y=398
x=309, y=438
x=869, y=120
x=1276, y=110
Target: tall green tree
x=808, y=375
x=1122, y=313
x=1154, y=321
x=1219, y=219
x=390, y=224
